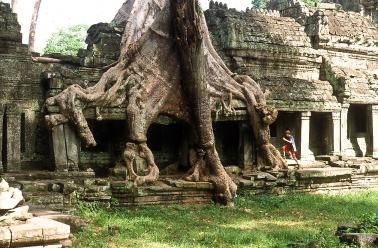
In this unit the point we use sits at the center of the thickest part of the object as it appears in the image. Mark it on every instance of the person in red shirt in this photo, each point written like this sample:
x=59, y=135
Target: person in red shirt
x=290, y=146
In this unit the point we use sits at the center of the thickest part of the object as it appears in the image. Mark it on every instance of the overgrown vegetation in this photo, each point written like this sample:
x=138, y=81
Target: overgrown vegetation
x=256, y=221
x=67, y=40
x=369, y=223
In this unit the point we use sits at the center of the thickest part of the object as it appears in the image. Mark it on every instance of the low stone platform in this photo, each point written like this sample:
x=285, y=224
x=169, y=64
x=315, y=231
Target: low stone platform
x=61, y=190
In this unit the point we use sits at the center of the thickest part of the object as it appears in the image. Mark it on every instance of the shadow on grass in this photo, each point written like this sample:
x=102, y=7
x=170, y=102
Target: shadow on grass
x=256, y=221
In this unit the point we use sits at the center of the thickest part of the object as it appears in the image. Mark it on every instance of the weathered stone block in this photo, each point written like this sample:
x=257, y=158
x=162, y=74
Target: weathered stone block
x=69, y=188
x=28, y=186
x=52, y=230
x=327, y=158
x=72, y=220
x=66, y=243
x=5, y=237
x=361, y=239
x=26, y=235
x=140, y=165
x=203, y=185
x=324, y=172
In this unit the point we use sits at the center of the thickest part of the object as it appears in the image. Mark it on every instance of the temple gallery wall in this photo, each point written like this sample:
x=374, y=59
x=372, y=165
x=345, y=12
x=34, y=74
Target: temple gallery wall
x=319, y=64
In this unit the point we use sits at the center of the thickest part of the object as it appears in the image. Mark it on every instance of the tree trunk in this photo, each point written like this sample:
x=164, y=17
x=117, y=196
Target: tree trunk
x=189, y=36
x=33, y=25
x=152, y=78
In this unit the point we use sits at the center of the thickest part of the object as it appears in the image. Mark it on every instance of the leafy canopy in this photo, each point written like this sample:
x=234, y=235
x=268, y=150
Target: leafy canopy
x=67, y=40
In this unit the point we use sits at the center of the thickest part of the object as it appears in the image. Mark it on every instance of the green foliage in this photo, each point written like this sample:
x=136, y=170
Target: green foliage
x=67, y=40
x=369, y=223
x=256, y=221
x=311, y=3
x=258, y=4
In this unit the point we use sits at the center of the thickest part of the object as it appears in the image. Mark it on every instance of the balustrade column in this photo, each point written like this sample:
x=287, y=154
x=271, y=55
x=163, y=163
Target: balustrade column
x=336, y=133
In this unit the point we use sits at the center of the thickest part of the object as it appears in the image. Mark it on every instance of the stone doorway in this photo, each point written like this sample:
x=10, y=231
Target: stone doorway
x=358, y=128
x=227, y=141
x=320, y=133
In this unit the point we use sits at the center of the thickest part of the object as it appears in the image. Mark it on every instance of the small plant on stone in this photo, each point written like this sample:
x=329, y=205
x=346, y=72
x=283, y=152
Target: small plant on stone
x=113, y=24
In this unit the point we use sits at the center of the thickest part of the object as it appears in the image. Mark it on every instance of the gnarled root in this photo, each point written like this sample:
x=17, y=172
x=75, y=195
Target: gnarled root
x=269, y=155
x=206, y=166
x=54, y=120
x=132, y=150
x=268, y=114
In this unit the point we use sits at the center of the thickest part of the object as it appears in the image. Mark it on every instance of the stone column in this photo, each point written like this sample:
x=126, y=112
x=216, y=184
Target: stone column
x=306, y=154
x=344, y=128
x=13, y=138
x=72, y=145
x=59, y=148
x=336, y=133
x=245, y=144
x=2, y=111
x=374, y=129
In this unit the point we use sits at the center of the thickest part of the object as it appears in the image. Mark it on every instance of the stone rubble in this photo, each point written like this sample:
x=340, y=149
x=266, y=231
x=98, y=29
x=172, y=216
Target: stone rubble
x=18, y=227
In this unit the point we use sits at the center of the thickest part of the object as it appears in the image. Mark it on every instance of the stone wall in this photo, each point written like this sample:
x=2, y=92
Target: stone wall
x=21, y=97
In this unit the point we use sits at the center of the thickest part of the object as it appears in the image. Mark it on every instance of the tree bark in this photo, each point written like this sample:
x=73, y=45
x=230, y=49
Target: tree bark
x=33, y=25
x=153, y=77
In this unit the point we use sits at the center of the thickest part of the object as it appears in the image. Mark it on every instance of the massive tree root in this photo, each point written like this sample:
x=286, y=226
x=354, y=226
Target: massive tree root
x=152, y=78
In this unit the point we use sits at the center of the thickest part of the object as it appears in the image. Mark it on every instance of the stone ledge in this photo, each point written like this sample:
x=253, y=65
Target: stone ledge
x=324, y=172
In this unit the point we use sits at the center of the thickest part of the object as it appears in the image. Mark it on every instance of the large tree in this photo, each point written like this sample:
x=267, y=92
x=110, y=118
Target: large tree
x=33, y=24
x=153, y=77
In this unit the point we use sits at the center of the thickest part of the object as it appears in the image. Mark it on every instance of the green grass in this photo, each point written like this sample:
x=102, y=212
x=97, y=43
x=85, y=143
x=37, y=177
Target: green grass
x=256, y=221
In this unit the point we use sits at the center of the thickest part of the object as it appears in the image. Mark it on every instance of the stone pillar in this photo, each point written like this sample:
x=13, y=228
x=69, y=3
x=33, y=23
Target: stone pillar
x=344, y=128
x=245, y=144
x=306, y=154
x=65, y=147
x=13, y=138
x=2, y=111
x=336, y=133
x=72, y=145
x=374, y=129
x=59, y=148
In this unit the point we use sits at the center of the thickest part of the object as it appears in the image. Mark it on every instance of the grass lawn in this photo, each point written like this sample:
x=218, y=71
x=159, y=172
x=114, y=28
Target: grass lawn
x=256, y=221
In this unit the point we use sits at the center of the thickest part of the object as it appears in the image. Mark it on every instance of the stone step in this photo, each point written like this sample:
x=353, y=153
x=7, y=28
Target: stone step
x=324, y=172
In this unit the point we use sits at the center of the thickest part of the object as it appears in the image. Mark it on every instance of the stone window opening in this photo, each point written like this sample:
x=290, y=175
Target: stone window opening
x=23, y=133
x=4, y=145
x=273, y=129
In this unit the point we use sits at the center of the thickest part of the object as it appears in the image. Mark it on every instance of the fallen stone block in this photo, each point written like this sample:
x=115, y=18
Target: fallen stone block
x=5, y=237
x=346, y=228
x=52, y=230
x=26, y=235
x=361, y=239
x=15, y=216
x=72, y=220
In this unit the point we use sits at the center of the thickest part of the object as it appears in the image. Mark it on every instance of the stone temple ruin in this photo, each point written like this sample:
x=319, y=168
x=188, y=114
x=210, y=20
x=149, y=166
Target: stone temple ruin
x=319, y=64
